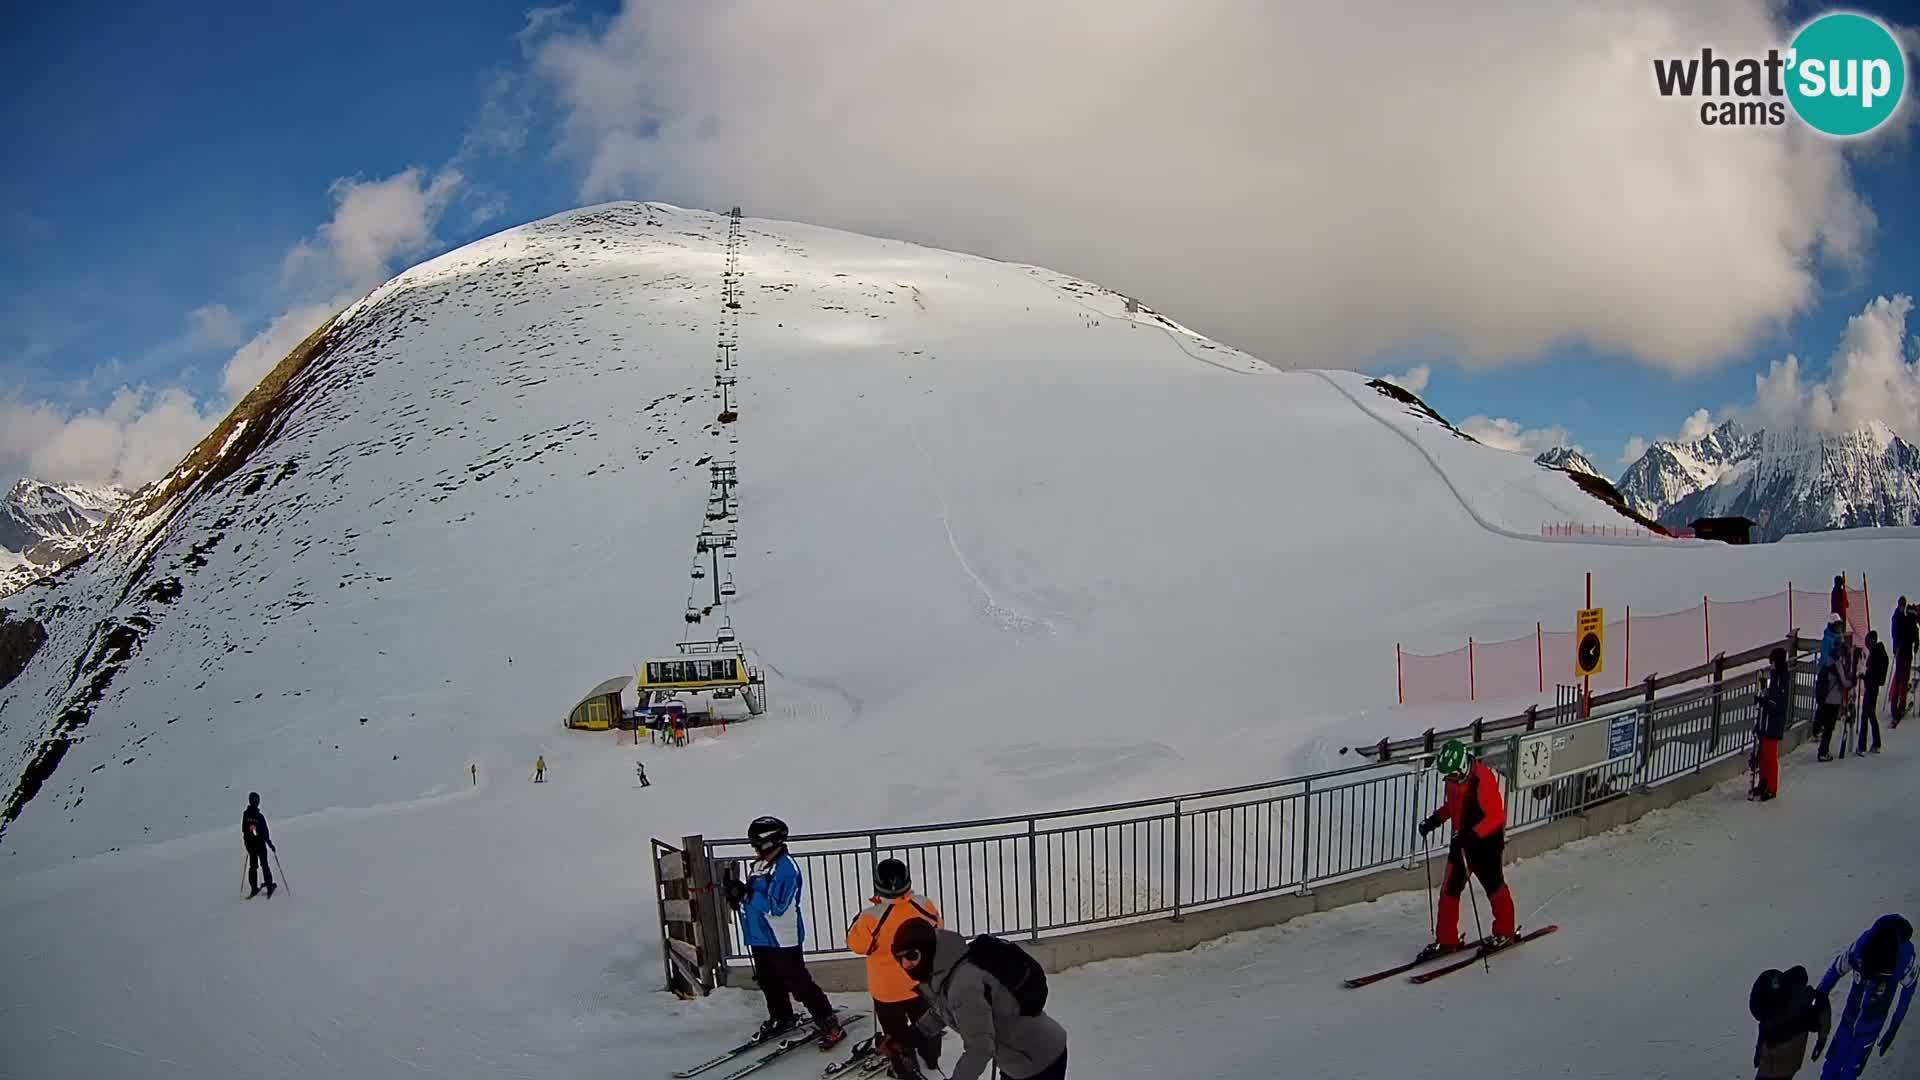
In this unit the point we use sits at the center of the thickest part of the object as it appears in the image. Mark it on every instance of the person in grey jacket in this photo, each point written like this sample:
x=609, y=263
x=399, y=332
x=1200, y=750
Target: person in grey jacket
x=975, y=1005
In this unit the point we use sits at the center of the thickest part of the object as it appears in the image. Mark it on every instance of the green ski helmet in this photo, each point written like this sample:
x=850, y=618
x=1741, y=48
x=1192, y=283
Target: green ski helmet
x=1453, y=759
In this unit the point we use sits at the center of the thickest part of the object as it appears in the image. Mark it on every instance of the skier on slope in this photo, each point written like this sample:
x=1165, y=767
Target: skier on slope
x=1771, y=727
x=774, y=928
x=978, y=989
x=253, y=830
x=1906, y=637
x=1831, y=687
x=1873, y=677
x=1882, y=961
x=897, y=1004
x=1479, y=817
x=1788, y=1011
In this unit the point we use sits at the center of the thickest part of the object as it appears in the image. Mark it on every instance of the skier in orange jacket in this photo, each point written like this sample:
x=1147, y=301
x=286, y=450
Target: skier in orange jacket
x=1479, y=817
x=897, y=1004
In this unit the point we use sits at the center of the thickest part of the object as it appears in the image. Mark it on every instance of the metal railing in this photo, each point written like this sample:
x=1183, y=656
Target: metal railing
x=1037, y=875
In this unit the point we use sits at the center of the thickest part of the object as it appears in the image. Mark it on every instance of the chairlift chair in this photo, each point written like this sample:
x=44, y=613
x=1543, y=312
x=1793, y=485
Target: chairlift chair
x=693, y=614
x=699, y=571
x=726, y=586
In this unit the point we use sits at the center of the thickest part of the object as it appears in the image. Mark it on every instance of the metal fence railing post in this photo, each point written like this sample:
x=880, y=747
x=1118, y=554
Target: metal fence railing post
x=1179, y=871
x=1306, y=834
x=1033, y=881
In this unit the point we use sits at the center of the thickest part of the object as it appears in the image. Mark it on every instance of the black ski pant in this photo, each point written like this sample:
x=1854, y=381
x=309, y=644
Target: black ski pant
x=1870, y=717
x=783, y=976
x=899, y=1020
x=1055, y=1071
x=256, y=866
x=1826, y=718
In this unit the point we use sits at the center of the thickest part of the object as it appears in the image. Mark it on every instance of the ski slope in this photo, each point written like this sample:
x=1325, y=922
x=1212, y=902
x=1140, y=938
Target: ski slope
x=490, y=934
x=1008, y=543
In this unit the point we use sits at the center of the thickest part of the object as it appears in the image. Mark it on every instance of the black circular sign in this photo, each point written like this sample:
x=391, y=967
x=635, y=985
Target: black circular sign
x=1589, y=651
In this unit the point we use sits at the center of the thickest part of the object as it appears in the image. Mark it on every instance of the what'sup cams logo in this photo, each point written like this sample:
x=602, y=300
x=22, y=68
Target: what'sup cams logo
x=1844, y=75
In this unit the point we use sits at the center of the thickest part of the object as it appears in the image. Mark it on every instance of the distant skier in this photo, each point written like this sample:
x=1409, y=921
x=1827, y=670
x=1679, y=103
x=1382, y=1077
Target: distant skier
x=1771, y=727
x=897, y=1005
x=1906, y=638
x=775, y=930
x=540, y=769
x=1479, y=816
x=1871, y=680
x=990, y=992
x=253, y=830
x=640, y=771
x=1788, y=1010
x=1881, y=962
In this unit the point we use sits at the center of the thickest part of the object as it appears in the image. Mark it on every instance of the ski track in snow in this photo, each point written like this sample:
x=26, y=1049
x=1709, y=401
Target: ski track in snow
x=1004, y=617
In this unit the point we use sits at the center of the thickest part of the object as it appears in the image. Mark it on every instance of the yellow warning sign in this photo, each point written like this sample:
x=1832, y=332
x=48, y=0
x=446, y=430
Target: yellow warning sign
x=1590, y=641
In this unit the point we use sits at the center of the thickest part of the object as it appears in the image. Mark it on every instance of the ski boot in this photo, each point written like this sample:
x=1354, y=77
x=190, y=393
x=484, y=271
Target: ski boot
x=832, y=1034
x=254, y=893
x=771, y=1029
x=1435, y=950
x=270, y=887
x=1499, y=941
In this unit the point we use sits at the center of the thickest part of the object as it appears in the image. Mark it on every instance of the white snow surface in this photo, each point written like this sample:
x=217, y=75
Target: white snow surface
x=1005, y=546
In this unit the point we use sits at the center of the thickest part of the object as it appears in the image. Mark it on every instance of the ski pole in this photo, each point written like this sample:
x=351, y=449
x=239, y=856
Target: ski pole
x=1478, y=929
x=1426, y=860
x=289, y=888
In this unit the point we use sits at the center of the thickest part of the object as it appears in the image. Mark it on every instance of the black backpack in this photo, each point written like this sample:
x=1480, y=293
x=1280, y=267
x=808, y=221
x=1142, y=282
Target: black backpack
x=1014, y=968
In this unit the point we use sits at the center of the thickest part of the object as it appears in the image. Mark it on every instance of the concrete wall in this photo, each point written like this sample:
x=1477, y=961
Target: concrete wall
x=1174, y=935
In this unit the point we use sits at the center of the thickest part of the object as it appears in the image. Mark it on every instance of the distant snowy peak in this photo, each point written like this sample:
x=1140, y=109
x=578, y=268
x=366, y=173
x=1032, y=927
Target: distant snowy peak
x=1671, y=470
x=42, y=526
x=1786, y=481
x=1567, y=460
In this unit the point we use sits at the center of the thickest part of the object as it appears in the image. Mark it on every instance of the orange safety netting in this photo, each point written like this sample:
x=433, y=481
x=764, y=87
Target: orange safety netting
x=1637, y=646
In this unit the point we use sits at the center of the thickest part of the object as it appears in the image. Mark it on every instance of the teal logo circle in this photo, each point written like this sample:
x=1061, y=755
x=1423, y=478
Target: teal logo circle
x=1848, y=74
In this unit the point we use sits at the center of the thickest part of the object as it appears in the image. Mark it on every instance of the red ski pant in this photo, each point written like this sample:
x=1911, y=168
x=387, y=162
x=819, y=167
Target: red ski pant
x=1770, y=765
x=1483, y=856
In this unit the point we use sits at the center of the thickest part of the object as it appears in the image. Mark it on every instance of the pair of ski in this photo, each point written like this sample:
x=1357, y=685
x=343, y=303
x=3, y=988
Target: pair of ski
x=1473, y=954
x=804, y=1033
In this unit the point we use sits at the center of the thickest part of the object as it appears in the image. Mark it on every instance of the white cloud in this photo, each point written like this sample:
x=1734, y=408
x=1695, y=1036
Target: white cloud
x=135, y=439
x=1635, y=449
x=1696, y=426
x=257, y=357
x=215, y=325
x=1413, y=382
x=1503, y=434
x=1234, y=165
x=1870, y=378
x=376, y=222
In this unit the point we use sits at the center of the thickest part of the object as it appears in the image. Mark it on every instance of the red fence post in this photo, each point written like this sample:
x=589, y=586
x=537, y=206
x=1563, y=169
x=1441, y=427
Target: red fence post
x=1472, y=692
x=1866, y=597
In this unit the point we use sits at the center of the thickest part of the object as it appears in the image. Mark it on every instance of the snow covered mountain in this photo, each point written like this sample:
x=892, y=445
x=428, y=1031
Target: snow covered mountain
x=947, y=466
x=1006, y=541
x=1795, y=483
x=1788, y=482
x=1672, y=470
x=1561, y=457
x=43, y=526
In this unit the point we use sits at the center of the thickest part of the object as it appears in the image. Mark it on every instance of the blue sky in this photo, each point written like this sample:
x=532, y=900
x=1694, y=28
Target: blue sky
x=185, y=185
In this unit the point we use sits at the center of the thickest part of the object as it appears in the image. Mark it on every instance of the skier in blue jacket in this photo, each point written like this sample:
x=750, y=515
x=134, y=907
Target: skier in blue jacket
x=775, y=930
x=1881, y=961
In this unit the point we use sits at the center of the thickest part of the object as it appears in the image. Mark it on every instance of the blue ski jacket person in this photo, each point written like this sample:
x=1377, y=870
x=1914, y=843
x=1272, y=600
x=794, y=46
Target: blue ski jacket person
x=1881, y=961
x=771, y=917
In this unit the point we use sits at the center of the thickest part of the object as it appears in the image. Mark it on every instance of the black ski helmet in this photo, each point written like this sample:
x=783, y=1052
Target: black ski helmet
x=766, y=834
x=891, y=879
x=253, y=798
